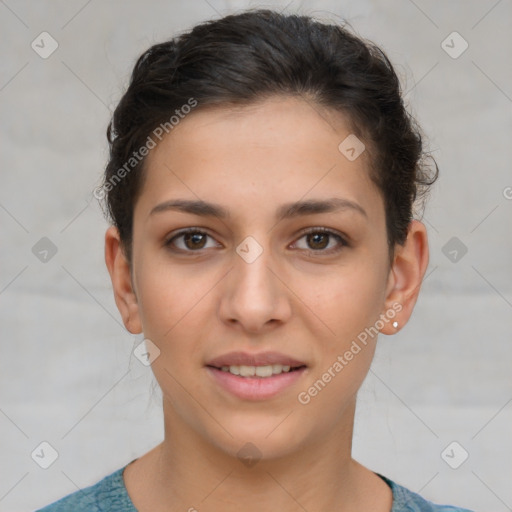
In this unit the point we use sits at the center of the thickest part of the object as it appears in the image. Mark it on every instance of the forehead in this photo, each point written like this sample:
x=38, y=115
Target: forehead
x=275, y=151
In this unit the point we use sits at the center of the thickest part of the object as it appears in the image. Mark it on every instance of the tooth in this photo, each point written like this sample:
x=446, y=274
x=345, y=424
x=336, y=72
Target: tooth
x=277, y=368
x=247, y=371
x=260, y=371
x=264, y=371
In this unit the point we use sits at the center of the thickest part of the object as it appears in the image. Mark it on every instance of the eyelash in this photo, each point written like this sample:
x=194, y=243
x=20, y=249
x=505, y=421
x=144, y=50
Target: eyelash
x=342, y=242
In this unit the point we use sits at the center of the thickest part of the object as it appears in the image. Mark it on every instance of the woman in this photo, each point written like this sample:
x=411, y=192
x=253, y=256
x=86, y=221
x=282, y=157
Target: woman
x=262, y=177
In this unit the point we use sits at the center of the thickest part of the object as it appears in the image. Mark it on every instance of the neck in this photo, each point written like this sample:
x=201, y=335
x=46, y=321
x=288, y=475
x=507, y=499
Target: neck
x=190, y=473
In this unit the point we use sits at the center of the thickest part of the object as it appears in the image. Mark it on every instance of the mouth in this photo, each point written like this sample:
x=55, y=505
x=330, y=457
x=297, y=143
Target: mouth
x=255, y=376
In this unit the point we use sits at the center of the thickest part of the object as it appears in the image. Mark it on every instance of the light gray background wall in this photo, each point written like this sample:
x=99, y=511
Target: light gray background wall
x=67, y=373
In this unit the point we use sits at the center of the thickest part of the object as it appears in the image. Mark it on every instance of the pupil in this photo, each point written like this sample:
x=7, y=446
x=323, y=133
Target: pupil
x=195, y=238
x=315, y=238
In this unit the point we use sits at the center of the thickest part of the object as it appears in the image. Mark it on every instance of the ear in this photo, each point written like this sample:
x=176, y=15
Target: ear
x=406, y=275
x=120, y=274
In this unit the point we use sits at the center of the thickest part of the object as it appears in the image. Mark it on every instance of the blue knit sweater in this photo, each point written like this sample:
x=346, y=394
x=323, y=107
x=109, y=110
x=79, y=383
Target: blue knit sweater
x=110, y=494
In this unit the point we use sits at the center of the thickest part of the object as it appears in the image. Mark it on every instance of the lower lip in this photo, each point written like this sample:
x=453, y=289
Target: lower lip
x=255, y=388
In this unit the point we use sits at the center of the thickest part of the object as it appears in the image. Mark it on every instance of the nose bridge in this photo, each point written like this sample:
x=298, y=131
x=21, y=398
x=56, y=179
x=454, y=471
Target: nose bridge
x=254, y=295
x=252, y=275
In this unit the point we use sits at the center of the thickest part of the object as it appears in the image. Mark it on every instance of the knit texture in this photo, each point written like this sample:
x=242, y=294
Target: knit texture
x=110, y=494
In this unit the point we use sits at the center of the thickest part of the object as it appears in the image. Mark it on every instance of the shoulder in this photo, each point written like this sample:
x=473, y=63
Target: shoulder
x=405, y=500
x=108, y=494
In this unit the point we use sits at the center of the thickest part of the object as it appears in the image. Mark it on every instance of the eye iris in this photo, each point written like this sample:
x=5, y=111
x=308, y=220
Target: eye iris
x=195, y=238
x=315, y=237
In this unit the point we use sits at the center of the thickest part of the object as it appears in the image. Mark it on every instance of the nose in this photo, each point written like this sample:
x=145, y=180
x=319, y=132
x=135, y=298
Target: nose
x=255, y=297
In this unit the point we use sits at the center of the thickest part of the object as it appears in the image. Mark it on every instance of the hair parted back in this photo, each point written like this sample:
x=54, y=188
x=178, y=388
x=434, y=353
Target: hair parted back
x=244, y=58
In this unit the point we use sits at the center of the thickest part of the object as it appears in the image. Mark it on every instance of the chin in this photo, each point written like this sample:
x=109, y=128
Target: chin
x=260, y=438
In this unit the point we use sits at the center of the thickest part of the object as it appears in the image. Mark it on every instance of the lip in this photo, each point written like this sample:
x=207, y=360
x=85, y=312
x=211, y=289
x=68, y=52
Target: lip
x=255, y=388
x=257, y=359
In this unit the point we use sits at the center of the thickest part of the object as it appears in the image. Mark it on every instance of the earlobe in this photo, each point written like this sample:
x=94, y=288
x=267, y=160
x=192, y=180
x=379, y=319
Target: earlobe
x=120, y=275
x=406, y=275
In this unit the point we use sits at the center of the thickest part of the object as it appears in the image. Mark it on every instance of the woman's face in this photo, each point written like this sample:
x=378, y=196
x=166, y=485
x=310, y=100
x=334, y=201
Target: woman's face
x=252, y=279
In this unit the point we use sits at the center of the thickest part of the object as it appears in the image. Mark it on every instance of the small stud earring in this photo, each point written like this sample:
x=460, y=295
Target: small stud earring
x=395, y=324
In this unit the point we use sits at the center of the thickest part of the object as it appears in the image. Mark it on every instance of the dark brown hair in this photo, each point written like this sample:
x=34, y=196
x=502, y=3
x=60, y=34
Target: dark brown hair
x=243, y=58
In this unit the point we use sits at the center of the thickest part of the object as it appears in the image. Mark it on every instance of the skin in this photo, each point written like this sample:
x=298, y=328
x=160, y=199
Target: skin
x=293, y=299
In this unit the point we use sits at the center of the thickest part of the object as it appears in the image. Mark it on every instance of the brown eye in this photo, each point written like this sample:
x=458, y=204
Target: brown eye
x=318, y=240
x=322, y=241
x=189, y=240
x=194, y=240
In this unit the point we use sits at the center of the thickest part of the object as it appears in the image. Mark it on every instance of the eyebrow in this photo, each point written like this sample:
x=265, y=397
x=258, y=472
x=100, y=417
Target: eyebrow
x=285, y=211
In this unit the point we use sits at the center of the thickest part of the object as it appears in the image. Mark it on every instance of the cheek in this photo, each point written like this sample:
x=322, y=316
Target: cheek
x=168, y=299
x=350, y=306
x=350, y=301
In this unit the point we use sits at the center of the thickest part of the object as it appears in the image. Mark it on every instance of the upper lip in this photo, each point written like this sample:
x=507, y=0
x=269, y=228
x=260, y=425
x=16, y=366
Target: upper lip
x=259, y=359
